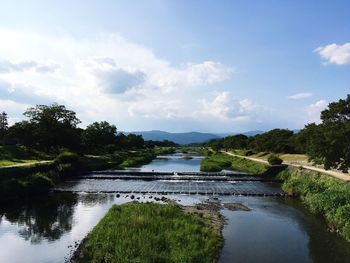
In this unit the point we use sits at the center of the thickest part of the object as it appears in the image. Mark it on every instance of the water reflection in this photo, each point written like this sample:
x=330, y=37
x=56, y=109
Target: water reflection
x=44, y=218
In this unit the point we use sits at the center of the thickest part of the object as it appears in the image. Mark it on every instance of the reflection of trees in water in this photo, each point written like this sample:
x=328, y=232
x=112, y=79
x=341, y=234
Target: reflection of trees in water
x=324, y=246
x=42, y=218
x=94, y=199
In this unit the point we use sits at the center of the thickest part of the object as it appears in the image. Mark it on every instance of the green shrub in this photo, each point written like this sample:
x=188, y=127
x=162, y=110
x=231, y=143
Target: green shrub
x=68, y=164
x=274, y=160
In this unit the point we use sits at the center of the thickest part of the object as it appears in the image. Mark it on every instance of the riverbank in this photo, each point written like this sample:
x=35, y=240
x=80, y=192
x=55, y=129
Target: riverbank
x=150, y=232
x=219, y=161
x=322, y=195
x=37, y=179
x=294, y=160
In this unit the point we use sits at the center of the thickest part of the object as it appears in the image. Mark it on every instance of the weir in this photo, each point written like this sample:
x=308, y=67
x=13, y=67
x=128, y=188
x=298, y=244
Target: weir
x=173, y=183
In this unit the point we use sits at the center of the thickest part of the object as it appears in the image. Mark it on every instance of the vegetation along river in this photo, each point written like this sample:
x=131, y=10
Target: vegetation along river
x=276, y=229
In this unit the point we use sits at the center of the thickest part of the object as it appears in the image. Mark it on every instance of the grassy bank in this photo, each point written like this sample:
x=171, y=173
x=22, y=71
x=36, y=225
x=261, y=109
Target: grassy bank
x=12, y=155
x=39, y=178
x=219, y=161
x=149, y=232
x=323, y=195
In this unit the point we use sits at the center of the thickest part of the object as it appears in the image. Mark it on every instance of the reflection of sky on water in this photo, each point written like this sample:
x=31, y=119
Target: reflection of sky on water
x=274, y=231
x=173, y=164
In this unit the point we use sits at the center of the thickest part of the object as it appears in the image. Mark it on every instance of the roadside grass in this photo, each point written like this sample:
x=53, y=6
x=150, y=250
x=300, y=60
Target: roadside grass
x=220, y=161
x=16, y=161
x=324, y=196
x=149, y=232
x=12, y=154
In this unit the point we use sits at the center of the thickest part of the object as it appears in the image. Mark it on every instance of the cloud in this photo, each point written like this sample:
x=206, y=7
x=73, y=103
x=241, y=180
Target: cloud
x=299, y=96
x=191, y=75
x=12, y=108
x=156, y=109
x=109, y=76
x=29, y=65
x=314, y=110
x=225, y=107
x=335, y=54
x=106, y=77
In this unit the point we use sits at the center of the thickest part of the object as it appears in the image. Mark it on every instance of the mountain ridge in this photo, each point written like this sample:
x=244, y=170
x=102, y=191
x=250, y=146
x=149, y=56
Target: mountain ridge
x=186, y=137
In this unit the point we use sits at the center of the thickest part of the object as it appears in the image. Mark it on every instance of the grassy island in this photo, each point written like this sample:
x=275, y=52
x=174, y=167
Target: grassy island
x=219, y=161
x=149, y=232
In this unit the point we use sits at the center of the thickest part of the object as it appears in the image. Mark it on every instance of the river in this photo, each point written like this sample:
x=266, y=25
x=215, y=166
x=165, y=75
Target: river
x=277, y=229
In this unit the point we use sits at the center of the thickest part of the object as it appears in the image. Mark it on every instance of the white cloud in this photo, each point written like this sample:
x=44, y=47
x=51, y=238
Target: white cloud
x=12, y=108
x=29, y=65
x=106, y=77
x=299, y=96
x=335, y=54
x=314, y=110
x=224, y=106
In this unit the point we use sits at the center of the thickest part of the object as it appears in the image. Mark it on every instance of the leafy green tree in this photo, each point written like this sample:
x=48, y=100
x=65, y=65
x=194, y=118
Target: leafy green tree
x=328, y=143
x=134, y=141
x=276, y=141
x=238, y=141
x=54, y=126
x=98, y=135
x=24, y=133
x=3, y=126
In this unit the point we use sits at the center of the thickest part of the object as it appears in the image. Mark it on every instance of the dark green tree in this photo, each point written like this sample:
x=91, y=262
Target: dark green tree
x=328, y=143
x=54, y=126
x=3, y=126
x=98, y=135
x=24, y=133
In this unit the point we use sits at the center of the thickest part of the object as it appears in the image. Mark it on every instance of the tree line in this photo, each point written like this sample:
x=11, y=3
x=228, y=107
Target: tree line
x=327, y=143
x=53, y=127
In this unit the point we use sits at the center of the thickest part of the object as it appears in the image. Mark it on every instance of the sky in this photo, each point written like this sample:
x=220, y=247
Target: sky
x=209, y=66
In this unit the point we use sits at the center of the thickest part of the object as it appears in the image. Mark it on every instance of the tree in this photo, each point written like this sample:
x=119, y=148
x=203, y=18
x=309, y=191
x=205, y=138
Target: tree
x=328, y=143
x=98, y=135
x=54, y=126
x=3, y=126
x=134, y=141
x=276, y=141
x=24, y=133
x=238, y=141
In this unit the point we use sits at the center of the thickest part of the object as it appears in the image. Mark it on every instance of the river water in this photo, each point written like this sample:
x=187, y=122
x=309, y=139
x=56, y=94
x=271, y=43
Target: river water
x=277, y=229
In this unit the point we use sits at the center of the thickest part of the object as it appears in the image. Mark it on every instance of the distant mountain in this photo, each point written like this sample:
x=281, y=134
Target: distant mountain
x=248, y=133
x=179, y=138
x=186, y=137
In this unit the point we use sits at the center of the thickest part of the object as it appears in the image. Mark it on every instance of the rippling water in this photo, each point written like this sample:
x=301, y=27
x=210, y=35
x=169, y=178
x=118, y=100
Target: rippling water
x=275, y=230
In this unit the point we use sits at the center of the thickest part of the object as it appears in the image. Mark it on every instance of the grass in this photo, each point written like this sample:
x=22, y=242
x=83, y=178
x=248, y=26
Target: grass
x=138, y=158
x=11, y=155
x=219, y=161
x=324, y=196
x=149, y=232
x=15, y=162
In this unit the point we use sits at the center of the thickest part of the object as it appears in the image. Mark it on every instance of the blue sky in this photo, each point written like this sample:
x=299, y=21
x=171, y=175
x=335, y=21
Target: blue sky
x=223, y=66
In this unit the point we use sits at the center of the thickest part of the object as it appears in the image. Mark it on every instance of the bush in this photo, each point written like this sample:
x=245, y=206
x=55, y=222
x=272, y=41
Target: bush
x=68, y=164
x=274, y=160
x=248, y=153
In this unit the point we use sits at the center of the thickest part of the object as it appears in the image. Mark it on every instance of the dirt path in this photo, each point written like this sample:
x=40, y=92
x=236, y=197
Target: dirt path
x=335, y=174
x=23, y=164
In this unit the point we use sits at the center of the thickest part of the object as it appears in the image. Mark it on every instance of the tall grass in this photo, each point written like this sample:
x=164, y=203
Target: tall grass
x=324, y=196
x=149, y=232
x=219, y=161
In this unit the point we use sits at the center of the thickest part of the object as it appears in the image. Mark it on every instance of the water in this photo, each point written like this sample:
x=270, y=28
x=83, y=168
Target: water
x=275, y=230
